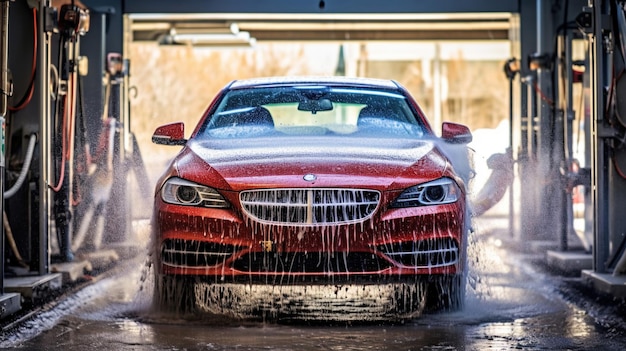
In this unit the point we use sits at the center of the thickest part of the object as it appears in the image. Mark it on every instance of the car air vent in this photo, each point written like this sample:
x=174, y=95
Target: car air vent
x=424, y=253
x=312, y=262
x=192, y=253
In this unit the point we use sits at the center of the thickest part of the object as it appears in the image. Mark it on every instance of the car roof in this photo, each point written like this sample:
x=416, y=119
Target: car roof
x=331, y=80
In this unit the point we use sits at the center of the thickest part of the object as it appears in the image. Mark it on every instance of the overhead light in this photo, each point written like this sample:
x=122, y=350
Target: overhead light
x=194, y=34
x=227, y=44
x=195, y=28
x=210, y=38
x=186, y=27
x=207, y=38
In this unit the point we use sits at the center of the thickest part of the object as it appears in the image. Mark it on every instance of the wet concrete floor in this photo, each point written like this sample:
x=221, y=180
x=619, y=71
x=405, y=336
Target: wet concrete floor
x=512, y=304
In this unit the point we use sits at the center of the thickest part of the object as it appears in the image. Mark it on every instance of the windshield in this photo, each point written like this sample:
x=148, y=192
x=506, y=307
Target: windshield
x=312, y=110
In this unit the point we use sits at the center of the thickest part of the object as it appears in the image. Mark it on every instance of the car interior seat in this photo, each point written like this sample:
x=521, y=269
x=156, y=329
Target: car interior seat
x=259, y=116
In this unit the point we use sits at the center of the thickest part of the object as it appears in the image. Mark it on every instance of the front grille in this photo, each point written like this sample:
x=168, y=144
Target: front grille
x=423, y=254
x=312, y=262
x=309, y=206
x=191, y=253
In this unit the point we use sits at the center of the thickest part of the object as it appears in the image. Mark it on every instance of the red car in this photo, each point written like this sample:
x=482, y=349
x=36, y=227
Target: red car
x=316, y=199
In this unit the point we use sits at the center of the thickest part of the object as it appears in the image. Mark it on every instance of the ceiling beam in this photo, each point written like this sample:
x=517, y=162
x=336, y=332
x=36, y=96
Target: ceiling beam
x=320, y=6
x=355, y=35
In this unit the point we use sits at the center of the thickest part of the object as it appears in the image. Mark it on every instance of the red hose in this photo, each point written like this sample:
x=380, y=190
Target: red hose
x=31, y=88
x=63, y=147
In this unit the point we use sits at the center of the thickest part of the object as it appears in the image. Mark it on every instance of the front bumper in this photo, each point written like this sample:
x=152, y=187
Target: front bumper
x=335, y=302
x=399, y=242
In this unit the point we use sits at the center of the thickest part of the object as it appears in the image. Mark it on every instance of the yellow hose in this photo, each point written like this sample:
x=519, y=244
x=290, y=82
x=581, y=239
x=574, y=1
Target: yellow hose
x=9, y=235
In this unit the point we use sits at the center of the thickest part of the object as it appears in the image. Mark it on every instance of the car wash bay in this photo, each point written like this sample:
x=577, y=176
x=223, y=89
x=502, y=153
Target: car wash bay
x=542, y=112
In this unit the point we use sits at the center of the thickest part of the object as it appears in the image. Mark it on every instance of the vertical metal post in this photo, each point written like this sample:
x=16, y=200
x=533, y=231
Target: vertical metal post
x=587, y=127
x=533, y=137
x=126, y=134
x=45, y=144
x=523, y=163
x=547, y=200
x=568, y=94
x=93, y=46
x=62, y=196
x=4, y=58
x=526, y=160
x=561, y=138
x=600, y=157
x=4, y=85
x=510, y=152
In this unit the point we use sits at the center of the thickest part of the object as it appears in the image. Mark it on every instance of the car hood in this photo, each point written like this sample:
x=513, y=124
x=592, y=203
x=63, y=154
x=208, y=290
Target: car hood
x=380, y=164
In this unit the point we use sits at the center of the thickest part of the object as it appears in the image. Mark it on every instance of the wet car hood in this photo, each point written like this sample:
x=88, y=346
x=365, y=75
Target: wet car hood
x=338, y=162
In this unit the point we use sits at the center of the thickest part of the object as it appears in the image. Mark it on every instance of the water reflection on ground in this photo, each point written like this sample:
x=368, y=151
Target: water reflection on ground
x=510, y=305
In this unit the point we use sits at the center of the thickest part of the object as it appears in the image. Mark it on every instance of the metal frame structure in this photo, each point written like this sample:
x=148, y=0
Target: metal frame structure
x=607, y=47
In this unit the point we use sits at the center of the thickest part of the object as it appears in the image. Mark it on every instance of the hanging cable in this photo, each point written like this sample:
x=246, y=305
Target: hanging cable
x=543, y=96
x=31, y=85
x=11, y=240
x=66, y=125
x=617, y=167
x=59, y=185
x=65, y=135
x=27, y=159
x=82, y=151
x=581, y=109
x=612, y=98
x=55, y=112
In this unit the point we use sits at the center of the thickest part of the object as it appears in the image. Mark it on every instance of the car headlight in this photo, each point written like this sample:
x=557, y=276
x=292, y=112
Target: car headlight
x=437, y=192
x=183, y=192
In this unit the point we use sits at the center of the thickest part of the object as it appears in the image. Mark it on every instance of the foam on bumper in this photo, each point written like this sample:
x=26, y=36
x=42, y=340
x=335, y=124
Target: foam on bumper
x=340, y=302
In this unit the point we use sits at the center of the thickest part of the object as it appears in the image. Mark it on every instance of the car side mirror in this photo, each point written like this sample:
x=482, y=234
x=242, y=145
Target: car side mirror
x=170, y=134
x=455, y=133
